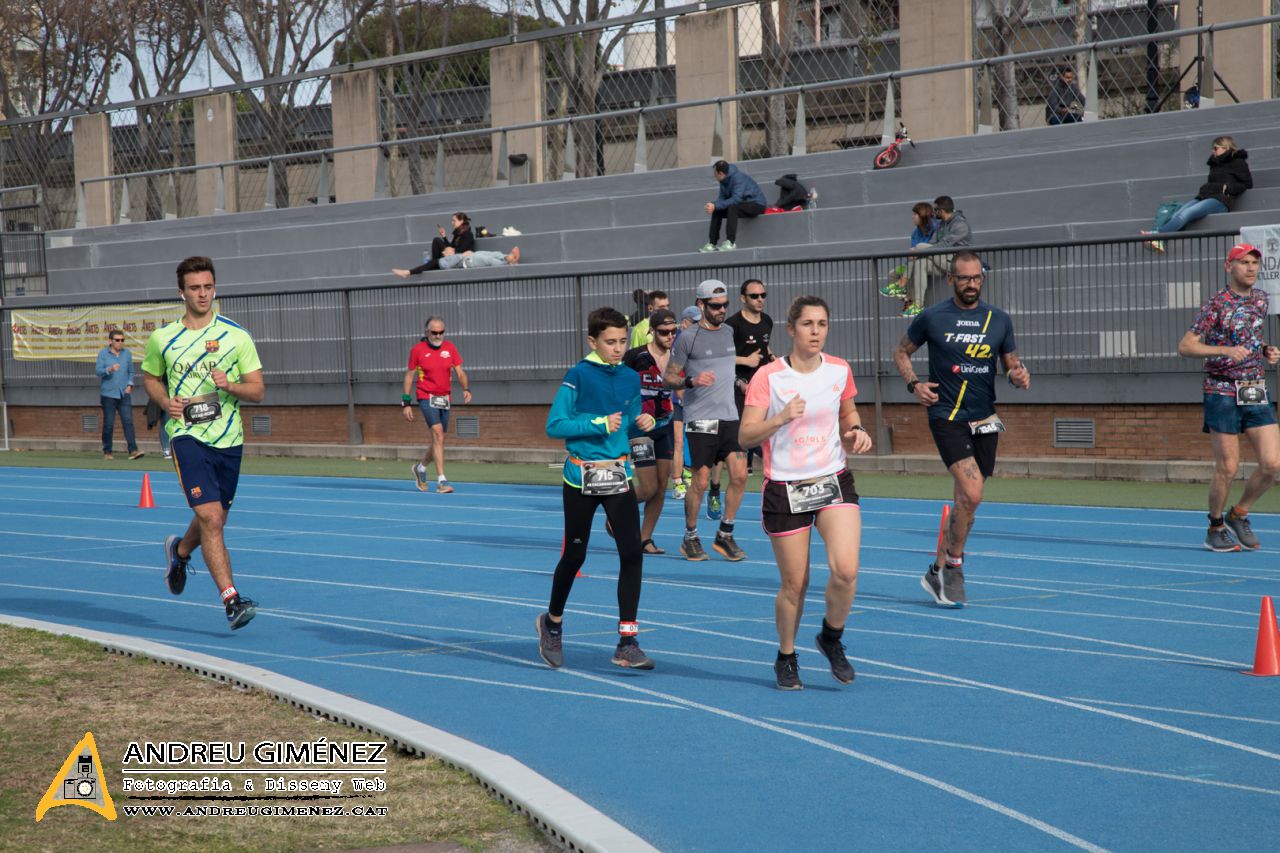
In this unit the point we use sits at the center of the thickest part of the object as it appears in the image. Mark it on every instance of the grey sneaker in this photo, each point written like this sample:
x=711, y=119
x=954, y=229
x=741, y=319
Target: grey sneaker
x=944, y=585
x=1243, y=530
x=629, y=655
x=1219, y=539
x=727, y=548
x=550, y=646
x=691, y=548
x=727, y=246
x=841, y=669
x=709, y=247
x=787, y=670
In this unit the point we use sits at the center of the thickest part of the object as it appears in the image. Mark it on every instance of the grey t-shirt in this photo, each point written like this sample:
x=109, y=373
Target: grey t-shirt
x=697, y=351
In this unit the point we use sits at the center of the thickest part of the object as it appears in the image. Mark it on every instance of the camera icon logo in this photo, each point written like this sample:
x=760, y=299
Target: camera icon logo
x=79, y=782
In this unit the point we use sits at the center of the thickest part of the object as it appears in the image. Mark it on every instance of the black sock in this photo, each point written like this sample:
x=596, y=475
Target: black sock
x=715, y=488
x=726, y=528
x=782, y=657
x=1215, y=522
x=552, y=627
x=626, y=640
x=830, y=634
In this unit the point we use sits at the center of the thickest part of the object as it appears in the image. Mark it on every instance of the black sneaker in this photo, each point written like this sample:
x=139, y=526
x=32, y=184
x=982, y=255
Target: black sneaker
x=728, y=548
x=933, y=583
x=550, y=646
x=240, y=612
x=787, y=669
x=841, y=669
x=175, y=573
x=1243, y=530
x=691, y=548
x=630, y=655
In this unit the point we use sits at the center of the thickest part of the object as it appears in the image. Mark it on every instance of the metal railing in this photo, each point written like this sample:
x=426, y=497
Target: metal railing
x=22, y=254
x=496, y=171
x=1083, y=311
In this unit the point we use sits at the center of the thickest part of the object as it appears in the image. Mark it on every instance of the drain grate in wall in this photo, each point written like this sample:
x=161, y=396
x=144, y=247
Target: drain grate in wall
x=261, y=425
x=89, y=423
x=1069, y=432
x=468, y=426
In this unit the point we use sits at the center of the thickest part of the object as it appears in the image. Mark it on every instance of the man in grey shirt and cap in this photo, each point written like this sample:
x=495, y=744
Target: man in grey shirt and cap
x=705, y=354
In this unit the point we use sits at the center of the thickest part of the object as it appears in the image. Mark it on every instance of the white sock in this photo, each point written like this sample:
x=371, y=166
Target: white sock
x=422, y=468
x=440, y=479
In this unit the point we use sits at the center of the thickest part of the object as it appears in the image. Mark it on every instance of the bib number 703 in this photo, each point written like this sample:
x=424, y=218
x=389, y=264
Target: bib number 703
x=978, y=350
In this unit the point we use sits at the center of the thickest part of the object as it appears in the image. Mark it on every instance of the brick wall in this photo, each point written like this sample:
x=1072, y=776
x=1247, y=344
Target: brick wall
x=1167, y=432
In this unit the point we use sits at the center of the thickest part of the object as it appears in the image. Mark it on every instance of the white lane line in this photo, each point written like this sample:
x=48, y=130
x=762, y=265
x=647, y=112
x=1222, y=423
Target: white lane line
x=1012, y=753
x=1179, y=711
x=1088, y=615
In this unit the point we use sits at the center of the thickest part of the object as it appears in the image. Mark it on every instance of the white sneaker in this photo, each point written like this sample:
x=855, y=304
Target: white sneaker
x=510, y=232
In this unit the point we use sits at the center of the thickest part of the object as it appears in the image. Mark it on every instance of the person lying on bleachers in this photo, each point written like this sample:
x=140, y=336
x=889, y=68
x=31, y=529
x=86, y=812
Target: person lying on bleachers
x=443, y=247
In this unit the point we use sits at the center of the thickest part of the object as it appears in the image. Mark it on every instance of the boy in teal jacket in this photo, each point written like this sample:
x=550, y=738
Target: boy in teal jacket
x=598, y=399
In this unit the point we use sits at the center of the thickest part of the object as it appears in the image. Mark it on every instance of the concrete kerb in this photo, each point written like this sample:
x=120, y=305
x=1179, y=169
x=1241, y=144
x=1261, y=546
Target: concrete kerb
x=567, y=820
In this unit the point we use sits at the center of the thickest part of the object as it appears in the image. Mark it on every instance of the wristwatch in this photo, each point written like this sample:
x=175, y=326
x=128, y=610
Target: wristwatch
x=911, y=386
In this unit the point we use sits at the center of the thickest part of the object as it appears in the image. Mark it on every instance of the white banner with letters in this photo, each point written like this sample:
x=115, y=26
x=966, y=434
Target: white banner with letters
x=1267, y=239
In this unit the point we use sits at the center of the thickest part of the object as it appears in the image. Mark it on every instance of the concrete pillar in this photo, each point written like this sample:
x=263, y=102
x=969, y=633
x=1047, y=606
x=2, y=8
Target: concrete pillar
x=215, y=121
x=708, y=68
x=516, y=96
x=355, y=122
x=1244, y=58
x=91, y=141
x=934, y=106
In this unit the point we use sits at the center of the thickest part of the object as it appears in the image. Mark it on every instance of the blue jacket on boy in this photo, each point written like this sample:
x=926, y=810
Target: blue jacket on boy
x=592, y=390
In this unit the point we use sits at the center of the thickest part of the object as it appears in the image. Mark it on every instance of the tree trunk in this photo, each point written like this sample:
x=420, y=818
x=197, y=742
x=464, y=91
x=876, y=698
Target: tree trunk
x=775, y=37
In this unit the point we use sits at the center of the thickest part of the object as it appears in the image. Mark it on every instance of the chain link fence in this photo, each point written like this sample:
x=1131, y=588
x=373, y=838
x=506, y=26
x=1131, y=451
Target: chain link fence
x=819, y=42
x=152, y=137
x=286, y=118
x=40, y=152
x=1132, y=80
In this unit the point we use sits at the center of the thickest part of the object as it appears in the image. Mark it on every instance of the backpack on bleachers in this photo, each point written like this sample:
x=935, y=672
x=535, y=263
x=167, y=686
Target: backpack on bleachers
x=1165, y=212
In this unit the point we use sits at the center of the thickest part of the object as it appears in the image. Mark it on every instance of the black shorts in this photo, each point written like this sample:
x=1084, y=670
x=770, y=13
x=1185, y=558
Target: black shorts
x=955, y=442
x=206, y=474
x=706, y=450
x=775, y=509
x=664, y=447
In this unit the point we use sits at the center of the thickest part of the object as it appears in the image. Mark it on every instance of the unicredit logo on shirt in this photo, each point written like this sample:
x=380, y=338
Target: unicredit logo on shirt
x=971, y=368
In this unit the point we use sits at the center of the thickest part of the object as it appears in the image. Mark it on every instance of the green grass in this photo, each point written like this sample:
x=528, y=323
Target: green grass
x=1114, y=493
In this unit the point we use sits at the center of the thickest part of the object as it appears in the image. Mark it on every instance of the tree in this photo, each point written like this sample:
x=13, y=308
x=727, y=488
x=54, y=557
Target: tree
x=253, y=39
x=775, y=49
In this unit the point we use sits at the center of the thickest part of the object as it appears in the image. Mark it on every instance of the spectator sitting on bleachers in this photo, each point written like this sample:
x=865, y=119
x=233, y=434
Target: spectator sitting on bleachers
x=1065, y=104
x=739, y=196
x=443, y=248
x=1229, y=177
x=926, y=224
x=953, y=231
x=793, y=194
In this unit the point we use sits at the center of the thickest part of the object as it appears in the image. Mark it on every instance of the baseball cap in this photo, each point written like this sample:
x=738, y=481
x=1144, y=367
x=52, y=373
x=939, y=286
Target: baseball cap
x=1238, y=252
x=691, y=313
x=711, y=288
x=661, y=316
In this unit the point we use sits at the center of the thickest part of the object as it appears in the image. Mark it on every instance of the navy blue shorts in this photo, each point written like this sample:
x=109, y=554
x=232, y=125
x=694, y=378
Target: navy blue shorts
x=434, y=416
x=664, y=447
x=1221, y=414
x=206, y=474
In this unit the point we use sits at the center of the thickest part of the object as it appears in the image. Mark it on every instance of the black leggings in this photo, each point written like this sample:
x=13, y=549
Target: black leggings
x=438, y=245
x=624, y=518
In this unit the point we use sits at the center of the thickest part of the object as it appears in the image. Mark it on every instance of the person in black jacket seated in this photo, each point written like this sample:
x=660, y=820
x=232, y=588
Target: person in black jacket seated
x=1229, y=177
x=443, y=248
x=793, y=193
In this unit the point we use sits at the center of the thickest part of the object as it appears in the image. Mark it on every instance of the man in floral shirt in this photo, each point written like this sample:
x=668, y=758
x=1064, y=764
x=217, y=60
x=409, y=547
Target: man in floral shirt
x=1227, y=334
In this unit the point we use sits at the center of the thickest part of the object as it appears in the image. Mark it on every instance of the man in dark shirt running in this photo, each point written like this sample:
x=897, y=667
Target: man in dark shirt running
x=752, y=329
x=965, y=335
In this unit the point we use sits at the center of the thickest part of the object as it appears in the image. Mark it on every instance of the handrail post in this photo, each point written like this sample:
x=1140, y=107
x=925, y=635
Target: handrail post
x=642, y=148
x=800, y=145
x=81, y=204
x=322, y=191
x=123, y=217
x=380, y=174
x=438, y=183
x=1091, y=88
x=1207, y=82
x=986, y=124
x=890, y=114
x=501, y=179
x=269, y=198
x=717, y=133
x=220, y=191
x=570, y=170
x=173, y=194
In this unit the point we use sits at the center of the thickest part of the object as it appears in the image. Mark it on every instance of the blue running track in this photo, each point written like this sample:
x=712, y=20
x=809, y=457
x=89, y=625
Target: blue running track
x=1089, y=696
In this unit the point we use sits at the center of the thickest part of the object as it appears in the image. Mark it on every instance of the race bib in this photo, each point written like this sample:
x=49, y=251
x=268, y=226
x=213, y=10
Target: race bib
x=642, y=449
x=438, y=401
x=987, y=425
x=1251, y=393
x=604, y=478
x=707, y=426
x=812, y=495
x=202, y=409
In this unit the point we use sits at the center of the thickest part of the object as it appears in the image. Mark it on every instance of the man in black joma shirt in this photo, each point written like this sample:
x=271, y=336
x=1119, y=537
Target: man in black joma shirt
x=965, y=337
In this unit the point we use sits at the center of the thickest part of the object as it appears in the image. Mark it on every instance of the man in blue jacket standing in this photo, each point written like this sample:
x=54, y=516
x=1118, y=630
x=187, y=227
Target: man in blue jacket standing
x=598, y=401
x=115, y=373
x=739, y=196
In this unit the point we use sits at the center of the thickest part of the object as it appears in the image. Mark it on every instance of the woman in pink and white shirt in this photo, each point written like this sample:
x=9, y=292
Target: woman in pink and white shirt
x=801, y=409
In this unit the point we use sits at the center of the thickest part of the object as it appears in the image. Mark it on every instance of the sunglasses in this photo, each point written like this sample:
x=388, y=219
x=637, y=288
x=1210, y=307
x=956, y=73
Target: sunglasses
x=716, y=306
x=665, y=332
x=761, y=295
x=117, y=340
x=435, y=334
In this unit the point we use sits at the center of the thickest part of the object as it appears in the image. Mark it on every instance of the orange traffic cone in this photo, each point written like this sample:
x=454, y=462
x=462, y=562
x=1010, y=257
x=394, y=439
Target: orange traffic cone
x=942, y=529
x=146, y=501
x=1266, y=659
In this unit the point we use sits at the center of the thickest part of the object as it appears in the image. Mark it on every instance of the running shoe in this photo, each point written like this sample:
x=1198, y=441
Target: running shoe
x=941, y=590
x=787, y=670
x=175, y=573
x=137, y=454
x=168, y=455
x=240, y=612
x=550, y=646
x=420, y=478
x=727, y=246
x=629, y=655
x=1219, y=539
x=679, y=489
x=910, y=309
x=727, y=548
x=715, y=506
x=1243, y=530
x=893, y=289
x=710, y=247
x=691, y=548
x=841, y=669
x=443, y=487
